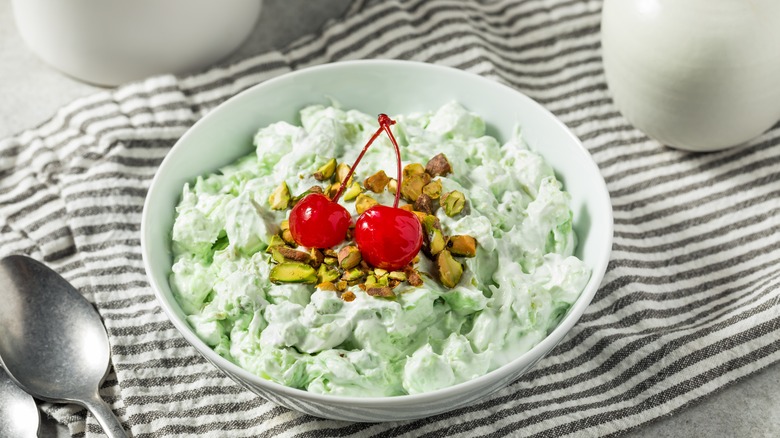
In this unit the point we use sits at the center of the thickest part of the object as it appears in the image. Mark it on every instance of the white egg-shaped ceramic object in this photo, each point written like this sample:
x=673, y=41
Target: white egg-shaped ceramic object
x=694, y=74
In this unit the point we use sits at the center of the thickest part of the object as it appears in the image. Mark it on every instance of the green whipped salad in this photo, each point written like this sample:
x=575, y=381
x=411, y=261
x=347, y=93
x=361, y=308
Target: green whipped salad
x=511, y=294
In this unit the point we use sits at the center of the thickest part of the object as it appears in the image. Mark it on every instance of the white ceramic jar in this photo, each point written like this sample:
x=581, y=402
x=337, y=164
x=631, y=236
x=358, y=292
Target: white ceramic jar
x=694, y=74
x=108, y=42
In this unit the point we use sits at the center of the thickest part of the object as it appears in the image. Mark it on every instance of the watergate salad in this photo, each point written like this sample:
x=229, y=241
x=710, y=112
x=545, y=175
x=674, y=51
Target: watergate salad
x=357, y=297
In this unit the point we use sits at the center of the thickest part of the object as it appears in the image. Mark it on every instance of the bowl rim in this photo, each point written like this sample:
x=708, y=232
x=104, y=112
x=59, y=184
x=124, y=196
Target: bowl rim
x=528, y=358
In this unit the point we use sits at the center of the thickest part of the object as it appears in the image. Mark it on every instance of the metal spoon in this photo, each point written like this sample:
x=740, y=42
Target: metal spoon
x=18, y=413
x=53, y=343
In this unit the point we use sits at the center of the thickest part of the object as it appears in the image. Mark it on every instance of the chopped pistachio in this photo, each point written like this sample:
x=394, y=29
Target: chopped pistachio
x=285, y=225
x=371, y=281
x=348, y=296
x=332, y=189
x=316, y=257
x=435, y=242
x=397, y=275
x=452, y=202
x=448, y=269
x=293, y=272
x=462, y=245
x=433, y=236
x=424, y=203
x=411, y=187
x=274, y=241
x=379, y=272
x=420, y=215
x=352, y=192
x=364, y=202
x=330, y=261
x=407, y=207
x=377, y=182
x=310, y=190
x=280, y=197
x=327, y=285
x=326, y=171
x=277, y=256
x=349, y=257
x=413, y=277
x=293, y=254
x=433, y=189
x=392, y=185
x=413, y=169
x=329, y=253
x=288, y=237
x=438, y=166
x=327, y=273
x=342, y=171
x=353, y=274
x=341, y=285
x=383, y=292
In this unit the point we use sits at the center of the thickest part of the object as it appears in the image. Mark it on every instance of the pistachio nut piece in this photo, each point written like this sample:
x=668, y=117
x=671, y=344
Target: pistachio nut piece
x=462, y=245
x=326, y=171
x=453, y=202
x=377, y=182
x=352, y=192
x=397, y=275
x=411, y=187
x=433, y=189
x=413, y=277
x=327, y=285
x=328, y=273
x=413, y=169
x=392, y=185
x=353, y=274
x=274, y=241
x=342, y=170
x=364, y=202
x=424, y=203
x=280, y=197
x=448, y=269
x=294, y=255
x=316, y=257
x=288, y=237
x=349, y=257
x=438, y=166
x=382, y=292
x=433, y=237
x=293, y=272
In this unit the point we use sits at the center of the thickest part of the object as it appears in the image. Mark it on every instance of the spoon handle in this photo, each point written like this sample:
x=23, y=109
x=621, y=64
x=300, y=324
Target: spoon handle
x=105, y=416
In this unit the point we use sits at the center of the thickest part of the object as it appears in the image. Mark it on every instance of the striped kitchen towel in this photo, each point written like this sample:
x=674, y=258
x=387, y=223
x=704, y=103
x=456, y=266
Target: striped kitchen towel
x=689, y=303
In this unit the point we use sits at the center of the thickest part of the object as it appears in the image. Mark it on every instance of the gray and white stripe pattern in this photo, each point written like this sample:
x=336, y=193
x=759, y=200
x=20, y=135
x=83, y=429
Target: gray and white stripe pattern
x=689, y=303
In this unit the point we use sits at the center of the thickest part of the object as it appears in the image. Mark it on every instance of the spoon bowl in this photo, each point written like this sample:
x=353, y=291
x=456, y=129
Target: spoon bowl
x=18, y=414
x=54, y=344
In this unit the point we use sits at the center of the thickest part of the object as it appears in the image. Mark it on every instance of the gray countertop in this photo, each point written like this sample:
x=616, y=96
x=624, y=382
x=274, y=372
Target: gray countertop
x=31, y=91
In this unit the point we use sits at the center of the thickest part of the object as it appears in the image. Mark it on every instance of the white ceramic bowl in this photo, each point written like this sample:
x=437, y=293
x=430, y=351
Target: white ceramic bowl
x=376, y=86
x=117, y=41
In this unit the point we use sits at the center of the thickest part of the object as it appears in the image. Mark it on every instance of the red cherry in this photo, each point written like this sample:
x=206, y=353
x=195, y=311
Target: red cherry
x=388, y=238
x=318, y=222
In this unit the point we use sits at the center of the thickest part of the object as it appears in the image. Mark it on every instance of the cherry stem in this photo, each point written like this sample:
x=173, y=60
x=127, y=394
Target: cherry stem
x=384, y=124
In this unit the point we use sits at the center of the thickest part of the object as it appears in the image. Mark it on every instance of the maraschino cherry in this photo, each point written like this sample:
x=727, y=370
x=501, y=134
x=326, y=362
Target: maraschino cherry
x=389, y=237
x=319, y=222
